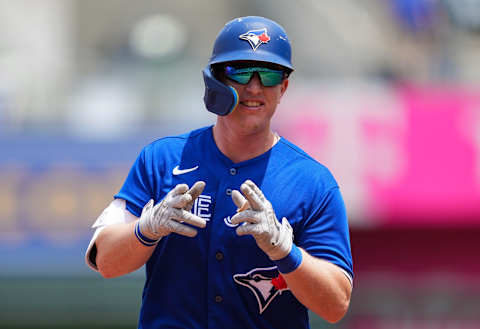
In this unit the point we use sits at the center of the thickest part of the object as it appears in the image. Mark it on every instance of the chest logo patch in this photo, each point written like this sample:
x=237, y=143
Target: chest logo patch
x=265, y=284
x=177, y=171
x=201, y=206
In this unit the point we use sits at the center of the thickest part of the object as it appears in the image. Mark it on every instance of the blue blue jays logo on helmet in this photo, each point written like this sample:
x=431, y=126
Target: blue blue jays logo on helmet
x=264, y=283
x=255, y=37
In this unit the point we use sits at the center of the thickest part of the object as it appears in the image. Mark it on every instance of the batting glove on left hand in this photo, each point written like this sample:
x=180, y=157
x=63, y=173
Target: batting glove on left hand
x=273, y=237
x=168, y=215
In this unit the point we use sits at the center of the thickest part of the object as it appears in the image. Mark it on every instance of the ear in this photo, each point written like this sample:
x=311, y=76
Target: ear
x=284, y=87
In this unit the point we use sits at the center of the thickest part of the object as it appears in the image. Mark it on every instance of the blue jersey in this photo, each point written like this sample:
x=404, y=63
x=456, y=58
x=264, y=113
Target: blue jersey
x=219, y=279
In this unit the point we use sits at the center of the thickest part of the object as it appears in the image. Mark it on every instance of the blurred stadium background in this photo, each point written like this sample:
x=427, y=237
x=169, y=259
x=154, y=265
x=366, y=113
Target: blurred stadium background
x=386, y=93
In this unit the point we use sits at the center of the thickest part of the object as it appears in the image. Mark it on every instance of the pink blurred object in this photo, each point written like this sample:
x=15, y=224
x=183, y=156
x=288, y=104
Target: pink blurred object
x=408, y=155
x=440, y=182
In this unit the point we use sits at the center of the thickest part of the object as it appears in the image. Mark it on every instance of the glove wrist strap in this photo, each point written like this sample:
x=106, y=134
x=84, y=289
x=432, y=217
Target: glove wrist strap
x=142, y=238
x=290, y=262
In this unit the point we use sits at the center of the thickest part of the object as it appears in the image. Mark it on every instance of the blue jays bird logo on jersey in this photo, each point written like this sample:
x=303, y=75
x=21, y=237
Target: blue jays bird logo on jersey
x=265, y=283
x=256, y=37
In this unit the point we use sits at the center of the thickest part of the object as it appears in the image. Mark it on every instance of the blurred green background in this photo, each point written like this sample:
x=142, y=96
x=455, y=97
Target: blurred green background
x=76, y=302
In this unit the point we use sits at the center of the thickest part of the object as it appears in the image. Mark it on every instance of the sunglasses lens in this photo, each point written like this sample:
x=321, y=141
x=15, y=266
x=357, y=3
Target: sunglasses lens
x=268, y=77
x=271, y=78
x=240, y=77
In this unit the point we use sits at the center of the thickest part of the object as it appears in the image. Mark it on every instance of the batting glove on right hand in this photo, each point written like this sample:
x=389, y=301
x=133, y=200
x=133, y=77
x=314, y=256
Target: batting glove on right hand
x=260, y=221
x=168, y=215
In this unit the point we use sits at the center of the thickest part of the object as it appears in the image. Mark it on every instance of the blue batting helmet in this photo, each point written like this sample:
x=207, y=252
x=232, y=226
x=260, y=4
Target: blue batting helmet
x=251, y=38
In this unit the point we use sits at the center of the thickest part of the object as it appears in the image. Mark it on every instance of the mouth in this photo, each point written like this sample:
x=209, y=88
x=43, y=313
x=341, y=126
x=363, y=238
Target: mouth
x=252, y=104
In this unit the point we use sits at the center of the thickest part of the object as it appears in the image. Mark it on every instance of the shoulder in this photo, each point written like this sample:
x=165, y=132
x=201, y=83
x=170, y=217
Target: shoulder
x=175, y=143
x=303, y=166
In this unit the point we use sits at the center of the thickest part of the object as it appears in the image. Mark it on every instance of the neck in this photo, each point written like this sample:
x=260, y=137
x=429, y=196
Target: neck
x=240, y=147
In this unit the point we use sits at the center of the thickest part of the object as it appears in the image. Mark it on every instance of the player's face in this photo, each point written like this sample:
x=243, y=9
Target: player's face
x=257, y=103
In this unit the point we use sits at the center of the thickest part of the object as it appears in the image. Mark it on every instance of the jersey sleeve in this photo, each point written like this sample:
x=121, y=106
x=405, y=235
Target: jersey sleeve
x=325, y=234
x=115, y=213
x=137, y=188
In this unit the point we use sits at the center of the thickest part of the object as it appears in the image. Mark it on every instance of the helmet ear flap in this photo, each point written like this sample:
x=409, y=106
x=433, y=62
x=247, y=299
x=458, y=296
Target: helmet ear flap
x=219, y=98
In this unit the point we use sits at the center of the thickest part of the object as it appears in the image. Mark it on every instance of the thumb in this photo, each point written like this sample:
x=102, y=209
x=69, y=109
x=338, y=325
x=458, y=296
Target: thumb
x=147, y=207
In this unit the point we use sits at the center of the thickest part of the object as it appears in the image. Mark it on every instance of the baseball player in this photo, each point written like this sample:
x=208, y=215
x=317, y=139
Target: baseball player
x=237, y=227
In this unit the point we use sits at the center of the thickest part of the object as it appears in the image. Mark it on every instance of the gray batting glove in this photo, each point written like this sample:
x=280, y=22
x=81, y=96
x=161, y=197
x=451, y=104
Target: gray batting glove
x=168, y=216
x=259, y=220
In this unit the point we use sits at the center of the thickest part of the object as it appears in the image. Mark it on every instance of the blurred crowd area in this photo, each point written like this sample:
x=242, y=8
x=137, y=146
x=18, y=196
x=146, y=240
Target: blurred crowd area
x=103, y=69
x=386, y=93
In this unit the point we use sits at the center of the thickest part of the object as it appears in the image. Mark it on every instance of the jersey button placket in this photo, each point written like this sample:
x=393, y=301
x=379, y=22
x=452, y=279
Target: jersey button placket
x=219, y=256
x=228, y=191
x=233, y=171
x=218, y=299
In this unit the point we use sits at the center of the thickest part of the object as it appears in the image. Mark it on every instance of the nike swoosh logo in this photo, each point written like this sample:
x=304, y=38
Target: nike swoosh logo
x=177, y=171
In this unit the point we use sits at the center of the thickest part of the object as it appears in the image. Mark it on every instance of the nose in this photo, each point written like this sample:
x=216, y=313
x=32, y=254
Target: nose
x=254, y=85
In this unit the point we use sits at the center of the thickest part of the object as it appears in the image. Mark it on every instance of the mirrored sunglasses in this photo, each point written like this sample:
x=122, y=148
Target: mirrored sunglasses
x=268, y=77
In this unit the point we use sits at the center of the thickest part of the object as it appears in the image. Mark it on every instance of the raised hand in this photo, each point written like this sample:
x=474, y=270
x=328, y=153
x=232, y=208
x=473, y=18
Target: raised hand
x=168, y=215
x=260, y=221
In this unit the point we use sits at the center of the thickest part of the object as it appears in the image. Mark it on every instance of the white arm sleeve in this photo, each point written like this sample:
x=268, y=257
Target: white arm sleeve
x=115, y=213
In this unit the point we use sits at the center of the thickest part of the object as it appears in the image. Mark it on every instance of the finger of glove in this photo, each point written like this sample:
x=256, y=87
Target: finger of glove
x=181, y=229
x=256, y=190
x=181, y=215
x=195, y=192
x=238, y=199
x=252, y=196
x=171, y=202
x=179, y=189
x=196, y=189
x=247, y=229
x=180, y=201
x=247, y=216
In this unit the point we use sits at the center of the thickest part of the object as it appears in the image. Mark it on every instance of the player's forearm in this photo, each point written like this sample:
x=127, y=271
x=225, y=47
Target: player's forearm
x=321, y=286
x=119, y=252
